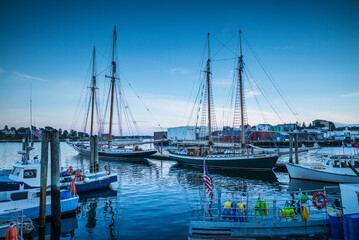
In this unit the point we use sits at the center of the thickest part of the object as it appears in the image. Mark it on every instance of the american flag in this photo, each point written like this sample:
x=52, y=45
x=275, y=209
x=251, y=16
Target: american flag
x=207, y=181
x=35, y=132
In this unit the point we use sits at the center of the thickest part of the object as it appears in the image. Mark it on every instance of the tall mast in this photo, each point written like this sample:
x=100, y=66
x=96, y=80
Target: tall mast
x=240, y=69
x=93, y=88
x=209, y=97
x=112, y=81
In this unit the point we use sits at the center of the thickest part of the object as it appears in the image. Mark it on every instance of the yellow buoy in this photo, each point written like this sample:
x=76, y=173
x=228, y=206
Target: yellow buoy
x=240, y=207
x=227, y=205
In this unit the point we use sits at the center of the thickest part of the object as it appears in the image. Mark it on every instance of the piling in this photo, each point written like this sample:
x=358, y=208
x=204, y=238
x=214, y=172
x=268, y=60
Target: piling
x=291, y=148
x=43, y=183
x=94, y=164
x=55, y=181
x=92, y=157
x=296, y=149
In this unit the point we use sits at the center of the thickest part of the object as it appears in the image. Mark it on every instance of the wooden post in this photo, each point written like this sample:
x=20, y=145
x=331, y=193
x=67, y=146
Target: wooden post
x=55, y=181
x=95, y=153
x=296, y=148
x=43, y=175
x=291, y=148
x=92, y=156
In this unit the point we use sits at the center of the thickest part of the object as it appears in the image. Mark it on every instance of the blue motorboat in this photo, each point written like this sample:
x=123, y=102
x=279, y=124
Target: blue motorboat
x=25, y=174
x=28, y=201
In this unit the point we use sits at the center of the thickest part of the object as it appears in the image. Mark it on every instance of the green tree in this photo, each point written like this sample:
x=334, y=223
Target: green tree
x=73, y=134
x=65, y=134
x=331, y=126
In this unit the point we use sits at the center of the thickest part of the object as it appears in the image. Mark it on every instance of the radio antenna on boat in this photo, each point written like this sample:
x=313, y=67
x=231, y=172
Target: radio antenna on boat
x=31, y=137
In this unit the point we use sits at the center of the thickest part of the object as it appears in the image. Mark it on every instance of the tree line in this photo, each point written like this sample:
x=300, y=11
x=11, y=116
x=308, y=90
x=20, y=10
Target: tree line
x=16, y=134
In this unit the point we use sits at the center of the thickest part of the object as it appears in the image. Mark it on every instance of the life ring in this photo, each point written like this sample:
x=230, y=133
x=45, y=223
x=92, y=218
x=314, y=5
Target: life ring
x=315, y=202
x=69, y=171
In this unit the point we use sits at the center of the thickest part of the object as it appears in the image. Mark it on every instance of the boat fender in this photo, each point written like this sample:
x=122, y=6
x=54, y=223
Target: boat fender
x=302, y=197
x=257, y=207
x=284, y=213
x=315, y=201
x=11, y=232
x=240, y=207
x=86, y=180
x=227, y=205
x=305, y=214
x=69, y=171
x=291, y=212
x=225, y=214
x=264, y=208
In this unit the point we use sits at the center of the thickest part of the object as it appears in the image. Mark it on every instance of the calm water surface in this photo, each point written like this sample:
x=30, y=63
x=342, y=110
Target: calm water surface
x=153, y=199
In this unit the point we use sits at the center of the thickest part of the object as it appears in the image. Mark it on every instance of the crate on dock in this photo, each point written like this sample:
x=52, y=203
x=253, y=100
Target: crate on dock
x=351, y=226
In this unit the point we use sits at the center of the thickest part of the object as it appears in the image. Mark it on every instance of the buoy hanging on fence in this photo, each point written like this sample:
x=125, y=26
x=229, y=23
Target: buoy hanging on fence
x=302, y=197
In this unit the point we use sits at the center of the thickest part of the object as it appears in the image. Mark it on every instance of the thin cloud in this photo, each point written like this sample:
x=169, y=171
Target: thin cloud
x=221, y=83
x=1, y=70
x=350, y=94
x=179, y=71
x=253, y=93
x=285, y=47
x=31, y=77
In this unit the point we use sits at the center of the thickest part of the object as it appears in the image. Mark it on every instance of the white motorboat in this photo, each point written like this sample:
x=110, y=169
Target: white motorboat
x=336, y=169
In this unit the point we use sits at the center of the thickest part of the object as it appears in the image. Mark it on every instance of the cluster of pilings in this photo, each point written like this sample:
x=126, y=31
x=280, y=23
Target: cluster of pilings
x=295, y=147
x=51, y=137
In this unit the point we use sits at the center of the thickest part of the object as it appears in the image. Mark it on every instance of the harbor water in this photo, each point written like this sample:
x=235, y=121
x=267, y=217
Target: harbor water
x=156, y=199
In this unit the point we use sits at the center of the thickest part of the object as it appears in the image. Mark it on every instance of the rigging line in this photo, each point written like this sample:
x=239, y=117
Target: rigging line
x=224, y=45
x=197, y=79
x=118, y=110
x=222, y=59
x=255, y=97
x=84, y=82
x=129, y=112
x=87, y=114
x=232, y=89
x=103, y=71
x=195, y=104
x=140, y=99
x=105, y=112
x=274, y=83
x=264, y=95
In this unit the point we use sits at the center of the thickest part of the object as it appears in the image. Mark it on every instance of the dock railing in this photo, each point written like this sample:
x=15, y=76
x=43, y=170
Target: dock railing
x=14, y=216
x=266, y=207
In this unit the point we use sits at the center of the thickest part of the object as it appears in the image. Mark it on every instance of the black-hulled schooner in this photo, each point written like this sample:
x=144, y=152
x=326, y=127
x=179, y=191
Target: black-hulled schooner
x=108, y=146
x=241, y=158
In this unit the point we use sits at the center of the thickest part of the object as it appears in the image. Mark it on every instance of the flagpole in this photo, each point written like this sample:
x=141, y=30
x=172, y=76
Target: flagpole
x=204, y=189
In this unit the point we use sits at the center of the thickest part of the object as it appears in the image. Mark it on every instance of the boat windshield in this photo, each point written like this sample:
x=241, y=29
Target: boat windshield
x=336, y=164
x=16, y=171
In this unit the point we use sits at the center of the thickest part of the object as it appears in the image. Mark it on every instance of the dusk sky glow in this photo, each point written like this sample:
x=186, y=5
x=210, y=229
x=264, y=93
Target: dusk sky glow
x=310, y=48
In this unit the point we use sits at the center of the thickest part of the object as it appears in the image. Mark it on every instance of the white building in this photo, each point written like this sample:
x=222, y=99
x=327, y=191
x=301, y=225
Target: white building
x=181, y=133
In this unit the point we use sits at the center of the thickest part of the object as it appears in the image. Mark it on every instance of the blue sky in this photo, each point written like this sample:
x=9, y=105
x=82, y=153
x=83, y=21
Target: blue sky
x=311, y=49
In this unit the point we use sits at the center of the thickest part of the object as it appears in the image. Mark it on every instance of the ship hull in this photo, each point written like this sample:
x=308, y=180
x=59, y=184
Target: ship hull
x=116, y=154
x=254, y=163
x=305, y=173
